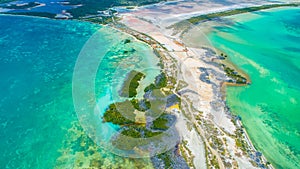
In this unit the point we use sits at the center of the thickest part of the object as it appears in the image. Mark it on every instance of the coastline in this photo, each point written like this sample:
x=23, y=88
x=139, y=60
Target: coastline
x=224, y=85
x=239, y=122
x=173, y=48
x=162, y=49
x=154, y=44
x=275, y=158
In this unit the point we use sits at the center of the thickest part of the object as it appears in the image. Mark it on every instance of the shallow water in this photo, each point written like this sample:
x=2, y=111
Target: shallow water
x=38, y=124
x=266, y=45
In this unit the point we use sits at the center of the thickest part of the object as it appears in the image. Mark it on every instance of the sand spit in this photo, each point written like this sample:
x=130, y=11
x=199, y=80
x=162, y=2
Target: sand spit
x=210, y=135
x=166, y=13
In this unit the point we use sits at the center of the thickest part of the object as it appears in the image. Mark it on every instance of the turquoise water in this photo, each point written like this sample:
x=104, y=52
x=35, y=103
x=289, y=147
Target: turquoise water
x=266, y=46
x=38, y=124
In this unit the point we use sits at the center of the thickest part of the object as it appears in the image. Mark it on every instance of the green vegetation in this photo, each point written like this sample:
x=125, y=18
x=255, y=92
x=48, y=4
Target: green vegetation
x=114, y=115
x=223, y=56
x=214, y=162
x=130, y=7
x=160, y=123
x=139, y=132
x=132, y=132
x=160, y=82
x=123, y=142
x=148, y=133
x=127, y=41
x=186, y=153
x=195, y=20
x=167, y=159
x=239, y=141
x=122, y=113
x=137, y=104
x=235, y=76
x=104, y=20
x=130, y=86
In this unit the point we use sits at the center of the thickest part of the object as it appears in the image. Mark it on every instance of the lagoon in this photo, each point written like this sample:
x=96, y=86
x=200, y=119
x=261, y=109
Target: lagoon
x=265, y=45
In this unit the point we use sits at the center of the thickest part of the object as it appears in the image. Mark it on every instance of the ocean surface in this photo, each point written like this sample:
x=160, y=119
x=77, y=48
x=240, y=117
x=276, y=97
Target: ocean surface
x=38, y=124
x=266, y=45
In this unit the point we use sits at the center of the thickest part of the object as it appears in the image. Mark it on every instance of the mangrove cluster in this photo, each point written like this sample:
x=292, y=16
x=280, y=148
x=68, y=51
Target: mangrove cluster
x=141, y=117
x=130, y=86
x=236, y=78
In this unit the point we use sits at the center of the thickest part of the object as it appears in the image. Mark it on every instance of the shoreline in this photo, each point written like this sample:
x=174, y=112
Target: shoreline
x=233, y=11
x=140, y=36
x=250, y=140
x=224, y=84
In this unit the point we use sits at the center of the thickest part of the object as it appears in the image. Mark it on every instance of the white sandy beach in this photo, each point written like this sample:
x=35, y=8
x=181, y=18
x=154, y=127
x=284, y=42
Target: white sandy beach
x=204, y=97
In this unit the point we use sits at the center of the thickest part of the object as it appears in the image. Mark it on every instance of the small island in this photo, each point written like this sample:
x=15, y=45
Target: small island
x=141, y=118
x=235, y=76
x=130, y=86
